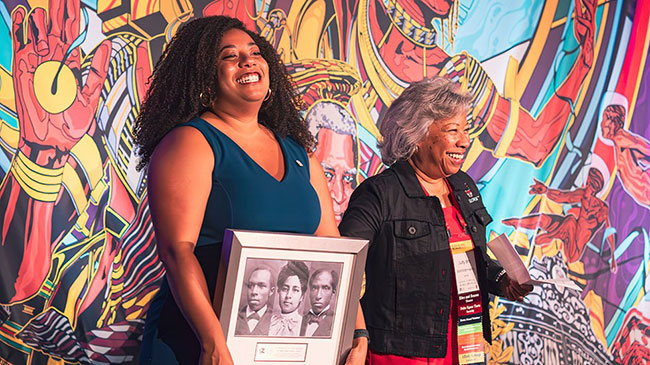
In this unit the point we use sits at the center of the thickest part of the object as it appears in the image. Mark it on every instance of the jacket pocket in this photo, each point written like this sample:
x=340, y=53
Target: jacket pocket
x=412, y=238
x=411, y=229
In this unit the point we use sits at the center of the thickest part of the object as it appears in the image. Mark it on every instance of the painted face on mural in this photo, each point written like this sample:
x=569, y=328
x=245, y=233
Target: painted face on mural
x=291, y=294
x=595, y=180
x=443, y=149
x=242, y=72
x=336, y=153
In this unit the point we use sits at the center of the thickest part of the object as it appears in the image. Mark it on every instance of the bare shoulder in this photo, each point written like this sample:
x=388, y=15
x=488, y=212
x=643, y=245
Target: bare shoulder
x=182, y=149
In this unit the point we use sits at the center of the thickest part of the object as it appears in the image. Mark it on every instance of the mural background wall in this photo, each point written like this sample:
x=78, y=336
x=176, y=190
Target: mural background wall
x=560, y=150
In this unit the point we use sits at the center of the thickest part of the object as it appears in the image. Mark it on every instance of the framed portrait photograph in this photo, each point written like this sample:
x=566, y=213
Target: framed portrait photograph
x=289, y=298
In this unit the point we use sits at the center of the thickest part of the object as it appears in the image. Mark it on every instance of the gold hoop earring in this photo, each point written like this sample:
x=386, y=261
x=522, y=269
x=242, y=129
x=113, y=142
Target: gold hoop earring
x=204, y=99
x=268, y=95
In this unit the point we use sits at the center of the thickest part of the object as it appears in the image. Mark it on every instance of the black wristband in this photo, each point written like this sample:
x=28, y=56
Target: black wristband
x=361, y=333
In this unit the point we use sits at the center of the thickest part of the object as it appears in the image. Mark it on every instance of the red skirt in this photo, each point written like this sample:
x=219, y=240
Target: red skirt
x=377, y=358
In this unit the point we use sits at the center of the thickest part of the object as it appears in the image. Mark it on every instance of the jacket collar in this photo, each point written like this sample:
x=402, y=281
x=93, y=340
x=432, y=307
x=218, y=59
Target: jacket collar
x=412, y=187
x=406, y=176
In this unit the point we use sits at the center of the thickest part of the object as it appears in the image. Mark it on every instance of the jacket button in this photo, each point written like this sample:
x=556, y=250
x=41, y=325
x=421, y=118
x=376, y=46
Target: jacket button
x=474, y=229
x=412, y=230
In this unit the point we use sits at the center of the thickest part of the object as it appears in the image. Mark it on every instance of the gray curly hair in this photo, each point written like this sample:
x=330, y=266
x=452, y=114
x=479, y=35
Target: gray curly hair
x=409, y=117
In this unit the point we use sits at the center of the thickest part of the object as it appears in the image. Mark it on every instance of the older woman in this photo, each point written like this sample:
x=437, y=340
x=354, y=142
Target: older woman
x=226, y=147
x=428, y=275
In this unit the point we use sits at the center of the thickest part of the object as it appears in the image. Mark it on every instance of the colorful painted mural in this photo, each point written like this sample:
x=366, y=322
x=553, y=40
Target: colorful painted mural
x=560, y=150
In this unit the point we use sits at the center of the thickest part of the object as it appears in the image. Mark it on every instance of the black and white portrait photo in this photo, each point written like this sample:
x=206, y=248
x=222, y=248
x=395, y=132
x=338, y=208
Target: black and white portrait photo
x=317, y=322
x=254, y=317
x=288, y=298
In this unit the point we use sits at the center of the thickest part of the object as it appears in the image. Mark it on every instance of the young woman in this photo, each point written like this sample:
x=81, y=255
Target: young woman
x=226, y=148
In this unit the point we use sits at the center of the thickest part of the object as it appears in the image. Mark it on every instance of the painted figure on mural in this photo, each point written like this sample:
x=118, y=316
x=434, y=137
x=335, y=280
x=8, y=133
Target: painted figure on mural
x=574, y=230
x=336, y=135
x=397, y=44
x=54, y=124
x=72, y=197
x=632, y=153
x=326, y=87
x=55, y=110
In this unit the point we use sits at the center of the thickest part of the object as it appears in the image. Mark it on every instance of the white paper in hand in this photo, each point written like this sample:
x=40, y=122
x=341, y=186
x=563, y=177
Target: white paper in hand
x=515, y=268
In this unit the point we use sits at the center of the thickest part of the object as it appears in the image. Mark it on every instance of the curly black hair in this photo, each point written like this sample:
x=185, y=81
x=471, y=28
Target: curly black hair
x=187, y=69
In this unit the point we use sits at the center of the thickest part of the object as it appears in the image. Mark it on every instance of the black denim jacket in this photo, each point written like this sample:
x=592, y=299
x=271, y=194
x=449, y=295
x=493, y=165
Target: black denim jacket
x=409, y=265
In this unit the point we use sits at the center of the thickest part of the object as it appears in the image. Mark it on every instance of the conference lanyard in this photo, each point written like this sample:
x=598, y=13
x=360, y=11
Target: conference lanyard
x=469, y=307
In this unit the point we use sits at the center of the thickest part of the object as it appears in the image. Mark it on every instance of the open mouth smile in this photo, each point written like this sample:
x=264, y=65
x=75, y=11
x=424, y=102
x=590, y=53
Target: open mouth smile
x=456, y=156
x=248, y=78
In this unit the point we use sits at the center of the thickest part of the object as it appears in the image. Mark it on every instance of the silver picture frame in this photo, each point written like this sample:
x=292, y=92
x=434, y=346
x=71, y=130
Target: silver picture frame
x=271, y=340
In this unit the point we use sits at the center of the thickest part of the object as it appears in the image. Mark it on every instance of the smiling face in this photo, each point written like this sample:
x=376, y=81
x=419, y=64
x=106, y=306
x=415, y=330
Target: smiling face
x=321, y=291
x=291, y=294
x=442, y=151
x=242, y=72
x=336, y=153
x=259, y=289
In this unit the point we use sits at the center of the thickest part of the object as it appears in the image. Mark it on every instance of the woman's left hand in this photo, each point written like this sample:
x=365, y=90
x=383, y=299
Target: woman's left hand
x=357, y=355
x=513, y=290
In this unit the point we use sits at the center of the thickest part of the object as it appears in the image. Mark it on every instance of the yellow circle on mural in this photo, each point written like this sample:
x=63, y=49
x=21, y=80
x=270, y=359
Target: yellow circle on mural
x=55, y=89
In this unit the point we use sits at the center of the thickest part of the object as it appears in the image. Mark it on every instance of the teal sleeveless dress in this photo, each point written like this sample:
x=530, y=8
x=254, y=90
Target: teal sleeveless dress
x=243, y=196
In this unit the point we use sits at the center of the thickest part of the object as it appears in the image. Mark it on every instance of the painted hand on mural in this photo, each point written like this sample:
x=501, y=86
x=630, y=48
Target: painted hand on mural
x=54, y=107
x=54, y=112
x=632, y=154
x=574, y=229
x=538, y=188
